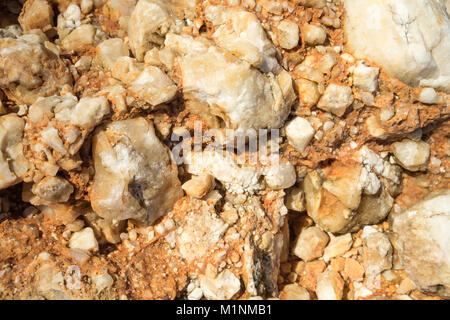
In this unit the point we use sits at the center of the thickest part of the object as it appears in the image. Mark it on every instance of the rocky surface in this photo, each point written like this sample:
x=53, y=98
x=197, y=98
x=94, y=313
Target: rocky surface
x=238, y=149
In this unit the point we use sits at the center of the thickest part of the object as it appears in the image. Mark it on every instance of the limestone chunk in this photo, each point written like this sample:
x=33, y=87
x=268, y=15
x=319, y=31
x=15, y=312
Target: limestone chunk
x=412, y=155
x=36, y=14
x=313, y=35
x=288, y=34
x=53, y=189
x=241, y=33
x=150, y=21
x=428, y=96
x=299, y=133
x=29, y=70
x=336, y=99
x=330, y=286
x=198, y=186
x=241, y=96
x=84, y=240
x=110, y=50
x=134, y=177
x=224, y=287
x=79, y=39
x=13, y=164
x=423, y=242
x=310, y=244
x=365, y=78
x=373, y=26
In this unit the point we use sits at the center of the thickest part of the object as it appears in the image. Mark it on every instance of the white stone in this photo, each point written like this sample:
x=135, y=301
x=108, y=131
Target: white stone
x=224, y=287
x=336, y=99
x=377, y=252
x=195, y=294
x=412, y=155
x=428, y=96
x=313, y=35
x=84, y=240
x=365, y=78
x=102, y=281
x=110, y=50
x=299, y=133
x=287, y=34
x=338, y=246
x=329, y=286
x=310, y=244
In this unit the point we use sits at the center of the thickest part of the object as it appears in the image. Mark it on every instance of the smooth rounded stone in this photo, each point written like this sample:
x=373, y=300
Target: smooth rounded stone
x=134, y=176
x=308, y=92
x=244, y=99
x=313, y=35
x=23, y=84
x=428, y=96
x=224, y=287
x=299, y=133
x=336, y=99
x=310, y=244
x=13, y=164
x=288, y=34
x=150, y=21
x=79, y=39
x=36, y=14
x=53, y=189
x=423, y=242
x=412, y=155
x=110, y=50
x=241, y=33
x=390, y=33
x=84, y=240
x=198, y=186
x=330, y=286
x=294, y=292
x=365, y=78
x=377, y=252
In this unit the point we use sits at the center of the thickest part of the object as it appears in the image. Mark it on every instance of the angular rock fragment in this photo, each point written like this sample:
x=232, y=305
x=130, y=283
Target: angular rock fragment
x=110, y=50
x=330, y=286
x=84, y=240
x=423, y=242
x=377, y=252
x=365, y=78
x=412, y=155
x=299, y=133
x=224, y=287
x=336, y=99
x=36, y=14
x=310, y=244
x=294, y=292
x=134, y=177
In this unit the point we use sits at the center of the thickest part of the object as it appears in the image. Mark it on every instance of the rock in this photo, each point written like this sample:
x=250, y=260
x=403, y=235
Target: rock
x=310, y=244
x=86, y=6
x=110, y=50
x=13, y=164
x=412, y=155
x=23, y=84
x=240, y=32
x=244, y=99
x=295, y=200
x=336, y=99
x=79, y=39
x=288, y=34
x=53, y=189
x=36, y=14
x=294, y=292
x=307, y=91
x=148, y=83
x=317, y=4
x=406, y=286
x=377, y=253
x=224, y=287
x=150, y=21
x=84, y=240
x=102, y=281
x=330, y=286
x=337, y=246
x=198, y=186
x=313, y=35
x=134, y=177
x=365, y=78
x=399, y=25
x=312, y=270
x=281, y=176
x=299, y=133
x=428, y=96
x=353, y=270
x=195, y=294
x=105, y=230
x=423, y=242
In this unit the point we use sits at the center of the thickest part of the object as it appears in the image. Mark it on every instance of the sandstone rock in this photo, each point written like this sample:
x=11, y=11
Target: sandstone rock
x=412, y=155
x=134, y=177
x=36, y=14
x=330, y=286
x=150, y=21
x=299, y=133
x=336, y=99
x=310, y=244
x=13, y=164
x=240, y=32
x=313, y=35
x=337, y=246
x=244, y=99
x=377, y=254
x=365, y=78
x=294, y=292
x=288, y=34
x=23, y=84
x=84, y=240
x=423, y=242
x=224, y=287
x=110, y=50
x=372, y=27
